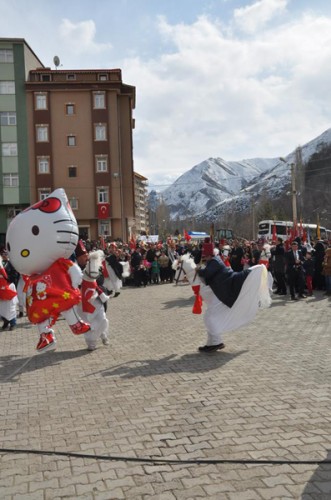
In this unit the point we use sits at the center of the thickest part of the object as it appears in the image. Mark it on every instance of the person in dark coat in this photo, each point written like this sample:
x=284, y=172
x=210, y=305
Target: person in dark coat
x=278, y=266
x=150, y=256
x=319, y=253
x=295, y=274
x=136, y=259
x=236, y=256
x=224, y=282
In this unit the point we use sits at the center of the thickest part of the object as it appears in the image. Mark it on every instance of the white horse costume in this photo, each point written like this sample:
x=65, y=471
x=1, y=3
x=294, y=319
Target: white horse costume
x=93, y=298
x=219, y=318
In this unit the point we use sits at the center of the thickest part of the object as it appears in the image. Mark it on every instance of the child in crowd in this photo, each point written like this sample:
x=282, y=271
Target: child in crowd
x=309, y=268
x=155, y=276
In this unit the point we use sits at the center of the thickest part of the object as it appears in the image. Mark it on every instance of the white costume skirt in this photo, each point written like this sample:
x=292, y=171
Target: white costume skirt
x=254, y=295
x=113, y=282
x=8, y=307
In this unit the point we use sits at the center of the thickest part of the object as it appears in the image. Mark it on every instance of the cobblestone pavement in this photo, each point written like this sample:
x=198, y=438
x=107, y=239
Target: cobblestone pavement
x=151, y=395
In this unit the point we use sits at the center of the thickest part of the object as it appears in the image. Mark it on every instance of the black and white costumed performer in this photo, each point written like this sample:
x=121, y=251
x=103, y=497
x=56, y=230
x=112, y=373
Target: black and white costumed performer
x=231, y=299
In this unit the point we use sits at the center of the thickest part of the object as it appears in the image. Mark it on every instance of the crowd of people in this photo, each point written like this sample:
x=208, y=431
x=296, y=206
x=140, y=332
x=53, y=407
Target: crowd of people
x=297, y=269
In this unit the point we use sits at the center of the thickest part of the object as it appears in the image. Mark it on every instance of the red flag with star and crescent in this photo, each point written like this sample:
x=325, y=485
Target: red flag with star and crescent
x=103, y=210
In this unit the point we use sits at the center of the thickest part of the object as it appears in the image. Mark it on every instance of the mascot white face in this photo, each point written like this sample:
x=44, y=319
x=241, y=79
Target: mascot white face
x=42, y=233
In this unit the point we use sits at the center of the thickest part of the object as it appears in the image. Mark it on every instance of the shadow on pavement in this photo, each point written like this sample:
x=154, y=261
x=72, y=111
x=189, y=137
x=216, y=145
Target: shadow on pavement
x=319, y=485
x=189, y=363
x=178, y=303
x=10, y=366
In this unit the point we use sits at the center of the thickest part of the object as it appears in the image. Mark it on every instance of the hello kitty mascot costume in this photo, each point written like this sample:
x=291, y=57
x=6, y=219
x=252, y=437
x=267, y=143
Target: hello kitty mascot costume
x=40, y=241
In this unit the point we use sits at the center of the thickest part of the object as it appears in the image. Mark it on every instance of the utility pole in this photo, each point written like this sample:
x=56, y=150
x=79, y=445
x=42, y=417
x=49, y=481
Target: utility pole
x=294, y=196
x=253, y=219
x=294, y=192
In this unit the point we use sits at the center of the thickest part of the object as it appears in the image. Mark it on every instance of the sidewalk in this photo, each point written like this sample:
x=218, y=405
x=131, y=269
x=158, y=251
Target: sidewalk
x=151, y=395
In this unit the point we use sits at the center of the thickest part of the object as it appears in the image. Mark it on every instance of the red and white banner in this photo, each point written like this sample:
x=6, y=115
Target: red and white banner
x=103, y=210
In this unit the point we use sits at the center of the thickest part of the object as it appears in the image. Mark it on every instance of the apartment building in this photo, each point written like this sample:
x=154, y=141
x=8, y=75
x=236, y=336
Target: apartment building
x=141, y=205
x=80, y=134
x=16, y=60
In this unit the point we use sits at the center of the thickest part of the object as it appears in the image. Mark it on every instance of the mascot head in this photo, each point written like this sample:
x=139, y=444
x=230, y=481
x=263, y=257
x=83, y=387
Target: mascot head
x=41, y=234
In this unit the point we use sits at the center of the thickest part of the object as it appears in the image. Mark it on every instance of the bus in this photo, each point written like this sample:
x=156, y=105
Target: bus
x=223, y=234
x=283, y=229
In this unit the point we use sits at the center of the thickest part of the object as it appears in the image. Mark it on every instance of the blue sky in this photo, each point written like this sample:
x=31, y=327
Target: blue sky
x=216, y=78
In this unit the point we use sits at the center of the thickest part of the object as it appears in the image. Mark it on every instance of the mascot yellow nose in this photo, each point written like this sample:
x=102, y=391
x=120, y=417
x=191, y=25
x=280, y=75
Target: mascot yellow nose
x=25, y=252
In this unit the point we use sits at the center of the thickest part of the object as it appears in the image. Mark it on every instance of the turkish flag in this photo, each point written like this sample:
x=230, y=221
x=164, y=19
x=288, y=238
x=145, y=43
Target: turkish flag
x=103, y=210
x=187, y=236
x=274, y=234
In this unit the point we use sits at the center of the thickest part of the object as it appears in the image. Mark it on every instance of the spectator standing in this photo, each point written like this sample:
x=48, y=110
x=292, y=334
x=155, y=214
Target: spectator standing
x=327, y=270
x=155, y=270
x=278, y=266
x=136, y=259
x=255, y=254
x=295, y=275
x=319, y=278
x=309, y=268
x=164, y=266
x=236, y=256
x=150, y=255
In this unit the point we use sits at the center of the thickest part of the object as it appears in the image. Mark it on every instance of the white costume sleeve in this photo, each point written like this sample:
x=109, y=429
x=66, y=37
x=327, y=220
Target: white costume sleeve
x=76, y=275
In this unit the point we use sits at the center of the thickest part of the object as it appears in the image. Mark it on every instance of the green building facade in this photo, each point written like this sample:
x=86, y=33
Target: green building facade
x=16, y=60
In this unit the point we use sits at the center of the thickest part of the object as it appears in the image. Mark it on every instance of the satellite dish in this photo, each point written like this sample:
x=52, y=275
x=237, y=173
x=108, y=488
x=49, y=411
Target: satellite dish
x=56, y=61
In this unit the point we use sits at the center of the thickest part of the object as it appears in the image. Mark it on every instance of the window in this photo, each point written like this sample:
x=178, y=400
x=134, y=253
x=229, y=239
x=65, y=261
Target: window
x=7, y=87
x=72, y=171
x=102, y=195
x=70, y=109
x=101, y=163
x=71, y=140
x=10, y=180
x=103, y=77
x=45, y=78
x=43, y=165
x=42, y=133
x=6, y=56
x=41, y=101
x=71, y=76
x=73, y=203
x=43, y=193
x=9, y=148
x=99, y=100
x=8, y=118
x=104, y=228
x=100, y=132
x=13, y=211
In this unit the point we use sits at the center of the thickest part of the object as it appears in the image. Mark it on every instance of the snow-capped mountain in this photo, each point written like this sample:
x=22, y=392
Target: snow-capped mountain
x=208, y=187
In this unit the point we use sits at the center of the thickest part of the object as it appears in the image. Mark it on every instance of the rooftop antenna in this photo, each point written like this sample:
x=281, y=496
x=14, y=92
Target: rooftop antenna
x=56, y=61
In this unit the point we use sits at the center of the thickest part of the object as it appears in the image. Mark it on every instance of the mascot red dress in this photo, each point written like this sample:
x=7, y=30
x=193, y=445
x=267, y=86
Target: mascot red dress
x=40, y=241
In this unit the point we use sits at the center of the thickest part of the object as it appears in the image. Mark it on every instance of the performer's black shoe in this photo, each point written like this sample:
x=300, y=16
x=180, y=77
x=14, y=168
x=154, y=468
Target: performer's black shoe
x=5, y=324
x=211, y=348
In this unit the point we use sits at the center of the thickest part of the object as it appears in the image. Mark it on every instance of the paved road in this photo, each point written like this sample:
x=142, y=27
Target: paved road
x=151, y=395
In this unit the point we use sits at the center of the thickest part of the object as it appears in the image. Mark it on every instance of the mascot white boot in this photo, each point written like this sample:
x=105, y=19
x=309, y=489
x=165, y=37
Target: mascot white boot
x=40, y=241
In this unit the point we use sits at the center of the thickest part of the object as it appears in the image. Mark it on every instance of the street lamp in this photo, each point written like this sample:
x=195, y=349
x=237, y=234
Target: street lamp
x=294, y=192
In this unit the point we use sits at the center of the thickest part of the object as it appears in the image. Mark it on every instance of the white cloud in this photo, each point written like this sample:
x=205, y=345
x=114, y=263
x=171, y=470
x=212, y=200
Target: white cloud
x=209, y=89
x=214, y=94
x=80, y=37
x=255, y=16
